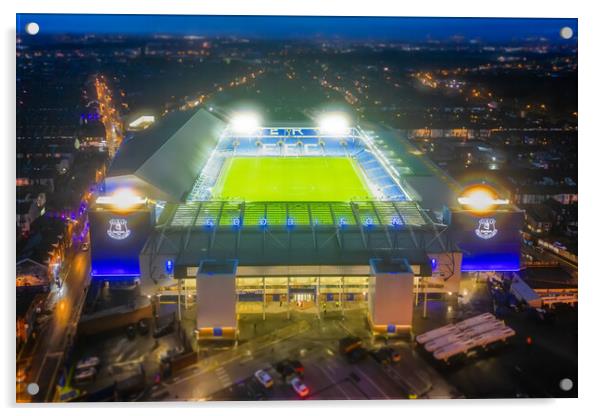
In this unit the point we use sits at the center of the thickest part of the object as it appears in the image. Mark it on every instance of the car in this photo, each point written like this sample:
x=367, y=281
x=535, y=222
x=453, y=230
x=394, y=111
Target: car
x=395, y=355
x=300, y=388
x=85, y=246
x=85, y=376
x=386, y=355
x=287, y=367
x=131, y=332
x=264, y=378
x=541, y=315
x=86, y=363
x=164, y=330
x=356, y=355
x=172, y=352
x=298, y=367
x=143, y=327
x=254, y=392
x=286, y=371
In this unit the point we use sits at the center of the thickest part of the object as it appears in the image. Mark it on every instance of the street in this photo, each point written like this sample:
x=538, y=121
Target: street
x=45, y=357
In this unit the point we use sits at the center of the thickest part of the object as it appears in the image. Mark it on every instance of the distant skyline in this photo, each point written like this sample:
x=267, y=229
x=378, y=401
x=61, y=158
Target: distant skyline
x=298, y=27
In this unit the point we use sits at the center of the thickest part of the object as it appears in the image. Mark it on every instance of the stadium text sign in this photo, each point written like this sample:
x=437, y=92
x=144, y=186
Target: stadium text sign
x=293, y=149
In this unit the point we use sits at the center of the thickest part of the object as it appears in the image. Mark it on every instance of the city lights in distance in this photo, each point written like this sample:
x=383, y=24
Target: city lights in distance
x=245, y=123
x=335, y=124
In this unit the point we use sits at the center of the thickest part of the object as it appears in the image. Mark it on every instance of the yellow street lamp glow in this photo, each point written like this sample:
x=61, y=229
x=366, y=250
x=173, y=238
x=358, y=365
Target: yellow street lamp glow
x=336, y=124
x=481, y=198
x=245, y=123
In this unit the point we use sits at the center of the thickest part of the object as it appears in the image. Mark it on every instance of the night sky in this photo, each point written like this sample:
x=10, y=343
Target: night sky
x=284, y=27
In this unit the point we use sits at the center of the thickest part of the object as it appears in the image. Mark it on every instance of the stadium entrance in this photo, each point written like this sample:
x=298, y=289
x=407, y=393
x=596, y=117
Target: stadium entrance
x=273, y=295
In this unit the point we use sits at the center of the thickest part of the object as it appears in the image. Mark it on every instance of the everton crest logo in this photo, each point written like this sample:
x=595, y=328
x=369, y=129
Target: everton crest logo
x=118, y=229
x=486, y=228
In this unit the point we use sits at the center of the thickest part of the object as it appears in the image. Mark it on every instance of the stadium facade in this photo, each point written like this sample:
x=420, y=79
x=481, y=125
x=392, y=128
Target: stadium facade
x=236, y=253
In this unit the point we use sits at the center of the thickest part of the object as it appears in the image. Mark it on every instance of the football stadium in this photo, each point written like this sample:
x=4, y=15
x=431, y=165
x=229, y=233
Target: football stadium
x=316, y=216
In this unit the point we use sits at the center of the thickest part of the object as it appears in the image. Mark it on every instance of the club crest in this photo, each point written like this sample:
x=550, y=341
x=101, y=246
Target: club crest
x=118, y=229
x=486, y=228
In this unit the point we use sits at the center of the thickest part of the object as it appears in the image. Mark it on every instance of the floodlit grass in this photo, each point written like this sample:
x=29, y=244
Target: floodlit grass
x=291, y=179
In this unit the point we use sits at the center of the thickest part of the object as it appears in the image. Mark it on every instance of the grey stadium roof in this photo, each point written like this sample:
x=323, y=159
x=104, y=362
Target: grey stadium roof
x=165, y=159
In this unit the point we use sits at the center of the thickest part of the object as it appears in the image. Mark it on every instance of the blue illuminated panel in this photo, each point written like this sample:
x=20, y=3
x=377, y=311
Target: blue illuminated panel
x=116, y=240
x=488, y=243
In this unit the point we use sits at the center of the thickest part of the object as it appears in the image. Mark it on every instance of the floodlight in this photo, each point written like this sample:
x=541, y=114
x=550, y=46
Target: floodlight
x=122, y=199
x=481, y=198
x=335, y=124
x=245, y=123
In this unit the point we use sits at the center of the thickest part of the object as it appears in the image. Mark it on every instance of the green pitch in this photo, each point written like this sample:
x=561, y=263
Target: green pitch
x=291, y=179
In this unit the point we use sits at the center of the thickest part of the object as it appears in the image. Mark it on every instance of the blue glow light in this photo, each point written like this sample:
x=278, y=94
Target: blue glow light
x=501, y=262
x=263, y=222
x=169, y=266
x=342, y=222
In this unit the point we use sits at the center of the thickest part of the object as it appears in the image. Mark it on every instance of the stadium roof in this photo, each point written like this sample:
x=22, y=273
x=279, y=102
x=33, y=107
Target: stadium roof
x=164, y=160
x=189, y=242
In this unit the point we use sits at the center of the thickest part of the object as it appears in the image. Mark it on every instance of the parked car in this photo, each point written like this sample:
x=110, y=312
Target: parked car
x=254, y=392
x=131, y=332
x=143, y=327
x=163, y=330
x=541, y=315
x=300, y=388
x=286, y=367
x=351, y=348
x=298, y=367
x=264, y=378
x=386, y=355
x=85, y=376
x=85, y=363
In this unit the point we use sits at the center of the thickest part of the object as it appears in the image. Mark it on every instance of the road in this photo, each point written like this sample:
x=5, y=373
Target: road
x=45, y=358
